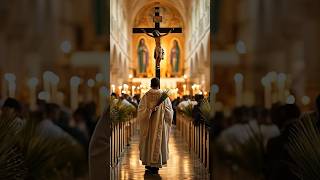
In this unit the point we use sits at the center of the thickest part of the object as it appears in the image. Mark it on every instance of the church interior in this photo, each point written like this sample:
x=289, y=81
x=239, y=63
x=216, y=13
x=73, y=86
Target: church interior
x=185, y=68
x=242, y=58
x=254, y=48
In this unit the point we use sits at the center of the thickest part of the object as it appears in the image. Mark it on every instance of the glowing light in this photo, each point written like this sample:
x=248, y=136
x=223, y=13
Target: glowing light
x=66, y=46
x=113, y=88
x=238, y=77
x=99, y=77
x=272, y=76
x=282, y=77
x=43, y=95
x=291, y=99
x=47, y=75
x=130, y=76
x=75, y=81
x=185, y=76
x=241, y=47
x=120, y=88
x=215, y=89
x=91, y=83
x=305, y=100
x=265, y=81
x=32, y=82
x=54, y=79
x=10, y=77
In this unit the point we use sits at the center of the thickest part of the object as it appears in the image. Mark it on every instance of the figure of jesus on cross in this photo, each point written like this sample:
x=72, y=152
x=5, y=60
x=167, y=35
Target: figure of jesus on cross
x=158, y=51
x=156, y=34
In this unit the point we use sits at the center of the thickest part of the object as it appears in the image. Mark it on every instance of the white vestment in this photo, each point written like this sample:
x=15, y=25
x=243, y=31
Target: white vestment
x=154, y=129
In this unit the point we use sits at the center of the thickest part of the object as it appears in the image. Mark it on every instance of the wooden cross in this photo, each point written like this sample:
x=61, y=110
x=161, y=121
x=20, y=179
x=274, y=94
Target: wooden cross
x=156, y=34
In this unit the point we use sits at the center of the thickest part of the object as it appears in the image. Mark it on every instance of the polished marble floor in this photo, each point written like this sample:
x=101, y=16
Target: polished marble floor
x=181, y=165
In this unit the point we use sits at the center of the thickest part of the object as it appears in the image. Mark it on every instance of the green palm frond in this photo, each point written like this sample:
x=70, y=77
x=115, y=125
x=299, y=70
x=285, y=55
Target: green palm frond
x=249, y=155
x=11, y=163
x=206, y=110
x=26, y=154
x=49, y=156
x=187, y=111
x=120, y=112
x=304, y=148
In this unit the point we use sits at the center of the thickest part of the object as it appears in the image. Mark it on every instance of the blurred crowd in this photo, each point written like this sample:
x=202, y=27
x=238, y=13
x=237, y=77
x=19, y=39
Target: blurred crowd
x=257, y=136
x=56, y=121
x=271, y=126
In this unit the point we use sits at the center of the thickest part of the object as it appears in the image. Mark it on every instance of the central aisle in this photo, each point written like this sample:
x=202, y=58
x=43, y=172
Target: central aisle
x=181, y=164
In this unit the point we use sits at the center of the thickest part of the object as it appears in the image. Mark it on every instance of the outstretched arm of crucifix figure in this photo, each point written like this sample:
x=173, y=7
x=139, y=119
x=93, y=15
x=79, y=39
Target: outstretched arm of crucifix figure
x=147, y=33
x=167, y=32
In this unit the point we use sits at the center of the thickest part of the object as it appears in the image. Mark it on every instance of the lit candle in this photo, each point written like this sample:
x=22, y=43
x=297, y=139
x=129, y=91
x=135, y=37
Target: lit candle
x=11, y=78
x=32, y=84
x=281, y=82
x=74, y=85
x=193, y=89
x=113, y=88
x=90, y=84
x=184, y=89
x=132, y=90
x=99, y=77
x=120, y=89
x=47, y=76
x=238, y=78
x=125, y=89
x=43, y=95
x=266, y=82
x=54, y=80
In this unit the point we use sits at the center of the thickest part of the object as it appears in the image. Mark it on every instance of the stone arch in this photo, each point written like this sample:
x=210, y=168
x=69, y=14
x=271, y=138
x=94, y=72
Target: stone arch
x=191, y=68
x=196, y=63
x=203, y=57
x=177, y=5
x=126, y=67
x=114, y=57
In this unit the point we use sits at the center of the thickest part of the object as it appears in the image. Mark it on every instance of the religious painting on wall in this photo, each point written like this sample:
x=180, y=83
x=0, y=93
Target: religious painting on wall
x=175, y=58
x=143, y=57
x=172, y=42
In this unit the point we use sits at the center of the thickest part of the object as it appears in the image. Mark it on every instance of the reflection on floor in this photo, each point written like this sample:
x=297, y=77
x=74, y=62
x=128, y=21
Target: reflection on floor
x=181, y=165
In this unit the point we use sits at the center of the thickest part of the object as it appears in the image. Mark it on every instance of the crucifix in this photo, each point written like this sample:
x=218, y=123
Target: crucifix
x=156, y=34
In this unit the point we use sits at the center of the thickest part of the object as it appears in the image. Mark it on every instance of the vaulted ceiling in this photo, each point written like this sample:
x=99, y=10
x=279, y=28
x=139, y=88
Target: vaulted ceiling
x=134, y=6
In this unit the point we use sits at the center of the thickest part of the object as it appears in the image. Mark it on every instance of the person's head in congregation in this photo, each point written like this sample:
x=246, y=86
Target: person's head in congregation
x=155, y=83
x=52, y=112
x=114, y=95
x=185, y=98
x=13, y=105
x=286, y=115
